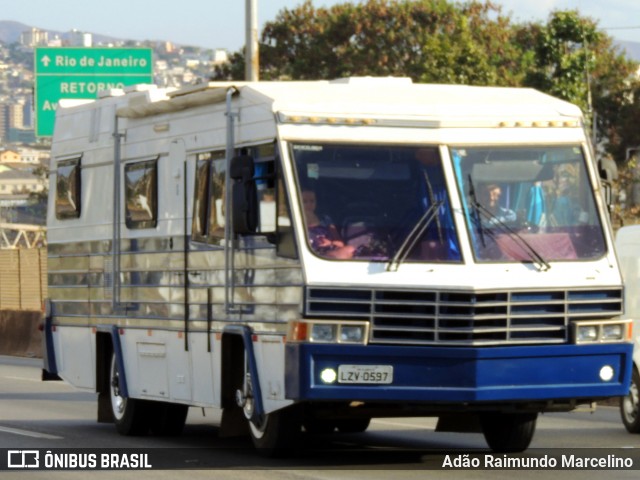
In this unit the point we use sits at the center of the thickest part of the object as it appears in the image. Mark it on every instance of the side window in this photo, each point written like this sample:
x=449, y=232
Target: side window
x=68, y=189
x=209, y=198
x=201, y=201
x=264, y=157
x=141, y=194
x=209, y=194
x=286, y=243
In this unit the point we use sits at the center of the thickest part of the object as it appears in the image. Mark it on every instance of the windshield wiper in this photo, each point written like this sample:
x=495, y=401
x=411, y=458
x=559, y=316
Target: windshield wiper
x=416, y=232
x=476, y=211
x=533, y=254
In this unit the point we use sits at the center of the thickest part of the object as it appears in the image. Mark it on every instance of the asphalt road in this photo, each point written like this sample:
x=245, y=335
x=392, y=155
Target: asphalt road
x=53, y=415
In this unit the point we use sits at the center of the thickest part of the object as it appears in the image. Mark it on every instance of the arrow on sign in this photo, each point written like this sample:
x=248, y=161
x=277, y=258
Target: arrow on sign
x=46, y=60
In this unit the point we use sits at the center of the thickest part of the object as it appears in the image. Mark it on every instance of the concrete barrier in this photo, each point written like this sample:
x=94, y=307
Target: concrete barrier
x=19, y=333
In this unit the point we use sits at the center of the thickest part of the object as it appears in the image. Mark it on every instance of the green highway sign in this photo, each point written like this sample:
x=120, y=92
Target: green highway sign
x=80, y=73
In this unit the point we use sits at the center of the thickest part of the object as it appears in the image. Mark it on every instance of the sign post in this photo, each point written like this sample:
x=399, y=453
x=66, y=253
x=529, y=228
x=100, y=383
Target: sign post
x=80, y=73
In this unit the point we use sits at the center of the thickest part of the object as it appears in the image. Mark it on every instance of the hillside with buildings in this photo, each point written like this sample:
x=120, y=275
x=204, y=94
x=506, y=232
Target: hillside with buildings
x=23, y=156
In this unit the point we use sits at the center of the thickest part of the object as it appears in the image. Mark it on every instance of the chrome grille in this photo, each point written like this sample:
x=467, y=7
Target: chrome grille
x=425, y=317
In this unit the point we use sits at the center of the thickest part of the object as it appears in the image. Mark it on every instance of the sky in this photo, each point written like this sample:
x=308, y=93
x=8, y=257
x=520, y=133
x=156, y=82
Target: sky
x=221, y=23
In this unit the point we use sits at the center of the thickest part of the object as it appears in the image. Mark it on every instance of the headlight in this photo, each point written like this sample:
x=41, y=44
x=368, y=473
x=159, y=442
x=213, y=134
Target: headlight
x=587, y=333
x=352, y=333
x=602, y=331
x=323, y=332
x=612, y=332
x=329, y=331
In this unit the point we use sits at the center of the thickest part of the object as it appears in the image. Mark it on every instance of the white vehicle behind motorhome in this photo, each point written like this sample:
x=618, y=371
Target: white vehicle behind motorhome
x=311, y=255
x=628, y=247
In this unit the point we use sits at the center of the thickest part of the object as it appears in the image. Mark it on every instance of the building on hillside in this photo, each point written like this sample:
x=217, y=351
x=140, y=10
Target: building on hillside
x=15, y=114
x=76, y=38
x=15, y=182
x=34, y=156
x=4, y=122
x=21, y=135
x=34, y=37
x=220, y=57
x=9, y=156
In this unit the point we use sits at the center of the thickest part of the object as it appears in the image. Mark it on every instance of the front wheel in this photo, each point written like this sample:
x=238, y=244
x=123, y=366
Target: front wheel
x=273, y=433
x=508, y=433
x=277, y=432
x=130, y=415
x=630, y=405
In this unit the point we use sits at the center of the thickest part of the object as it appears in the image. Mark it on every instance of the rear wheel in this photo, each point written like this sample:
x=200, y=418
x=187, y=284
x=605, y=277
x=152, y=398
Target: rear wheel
x=630, y=405
x=506, y=432
x=131, y=416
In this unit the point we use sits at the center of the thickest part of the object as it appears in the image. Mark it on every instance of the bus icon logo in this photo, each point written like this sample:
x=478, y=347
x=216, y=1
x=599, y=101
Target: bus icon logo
x=23, y=459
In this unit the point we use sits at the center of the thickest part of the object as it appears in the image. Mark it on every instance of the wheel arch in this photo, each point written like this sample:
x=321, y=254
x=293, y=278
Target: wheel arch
x=236, y=340
x=108, y=343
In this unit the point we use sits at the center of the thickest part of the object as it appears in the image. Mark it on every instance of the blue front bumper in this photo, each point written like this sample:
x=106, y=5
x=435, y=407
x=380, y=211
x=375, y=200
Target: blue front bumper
x=445, y=374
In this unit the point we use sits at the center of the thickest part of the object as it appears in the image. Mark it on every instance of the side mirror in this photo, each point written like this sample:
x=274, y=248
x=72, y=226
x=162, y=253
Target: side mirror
x=608, y=171
x=244, y=195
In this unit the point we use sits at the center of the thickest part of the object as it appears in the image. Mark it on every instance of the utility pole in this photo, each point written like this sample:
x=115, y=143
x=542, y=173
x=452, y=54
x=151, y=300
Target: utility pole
x=252, y=63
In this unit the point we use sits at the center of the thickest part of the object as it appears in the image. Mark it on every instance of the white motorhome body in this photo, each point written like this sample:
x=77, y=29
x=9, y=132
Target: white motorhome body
x=459, y=254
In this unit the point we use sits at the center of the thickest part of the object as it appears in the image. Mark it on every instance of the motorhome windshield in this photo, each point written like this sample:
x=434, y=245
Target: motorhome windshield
x=528, y=204
x=384, y=203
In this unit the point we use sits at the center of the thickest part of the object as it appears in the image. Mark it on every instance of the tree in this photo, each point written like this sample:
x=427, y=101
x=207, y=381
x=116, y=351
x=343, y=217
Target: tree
x=564, y=57
x=616, y=99
x=473, y=42
x=579, y=63
x=427, y=40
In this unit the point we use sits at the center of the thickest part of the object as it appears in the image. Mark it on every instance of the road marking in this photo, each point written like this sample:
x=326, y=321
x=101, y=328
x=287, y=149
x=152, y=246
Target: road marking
x=27, y=433
x=26, y=379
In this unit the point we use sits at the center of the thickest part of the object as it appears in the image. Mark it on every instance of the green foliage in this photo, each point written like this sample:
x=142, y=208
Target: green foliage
x=564, y=58
x=472, y=42
x=577, y=62
x=429, y=41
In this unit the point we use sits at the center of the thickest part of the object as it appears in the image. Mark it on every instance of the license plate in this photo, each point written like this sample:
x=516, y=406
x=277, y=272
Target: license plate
x=371, y=374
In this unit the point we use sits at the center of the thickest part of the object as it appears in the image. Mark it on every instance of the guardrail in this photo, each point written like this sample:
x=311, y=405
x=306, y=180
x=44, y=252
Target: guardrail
x=17, y=235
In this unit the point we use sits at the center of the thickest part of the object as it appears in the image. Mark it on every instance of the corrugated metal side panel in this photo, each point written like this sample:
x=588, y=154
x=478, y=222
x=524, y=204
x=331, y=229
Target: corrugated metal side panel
x=23, y=278
x=10, y=279
x=30, y=279
x=43, y=274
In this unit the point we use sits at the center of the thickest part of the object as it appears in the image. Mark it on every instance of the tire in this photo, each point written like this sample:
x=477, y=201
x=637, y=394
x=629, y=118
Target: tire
x=168, y=419
x=508, y=433
x=630, y=405
x=131, y=416
x=353, y=425
x=273, y=434
x=277, y=433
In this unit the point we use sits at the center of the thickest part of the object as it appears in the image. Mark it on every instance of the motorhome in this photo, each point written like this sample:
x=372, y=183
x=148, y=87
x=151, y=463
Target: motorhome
x=307, y=256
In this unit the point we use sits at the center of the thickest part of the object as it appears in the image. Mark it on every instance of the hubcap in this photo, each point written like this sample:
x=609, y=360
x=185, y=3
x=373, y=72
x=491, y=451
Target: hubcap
x=118, y=403
x=247, y=397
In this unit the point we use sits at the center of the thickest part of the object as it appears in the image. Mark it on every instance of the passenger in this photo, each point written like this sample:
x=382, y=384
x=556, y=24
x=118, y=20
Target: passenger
x=323, y=235
x=566, y=209
x=491, y=201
